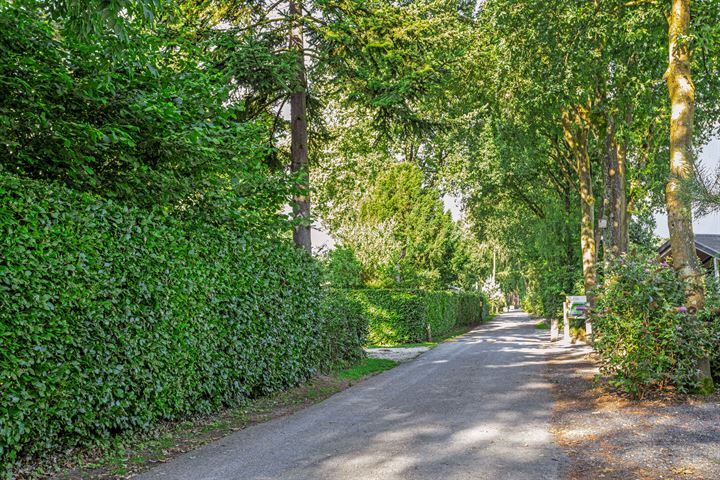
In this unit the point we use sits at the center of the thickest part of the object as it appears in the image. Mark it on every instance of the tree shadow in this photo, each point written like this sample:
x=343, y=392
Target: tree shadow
x=475, y=407
x=619, y=438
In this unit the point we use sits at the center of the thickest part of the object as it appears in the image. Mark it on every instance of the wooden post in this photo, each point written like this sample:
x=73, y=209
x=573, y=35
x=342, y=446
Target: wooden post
x=566, y=324
x=554, y=329
x=588, y=329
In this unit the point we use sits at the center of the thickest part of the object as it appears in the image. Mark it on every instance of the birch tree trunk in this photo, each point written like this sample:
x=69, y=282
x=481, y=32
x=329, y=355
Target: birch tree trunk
x=299, y=135
x=678, y=200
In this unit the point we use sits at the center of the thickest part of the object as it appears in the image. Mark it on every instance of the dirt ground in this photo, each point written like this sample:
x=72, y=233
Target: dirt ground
x=611, y=436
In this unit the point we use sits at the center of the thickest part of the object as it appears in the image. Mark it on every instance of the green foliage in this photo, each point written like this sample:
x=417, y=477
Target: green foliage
x=411, y=316
x=398, y=60
x=644, y=335
x=146, y=124
x=547, y=290
x=114, y=317
x=441, y=312
x=710, y=314
x=394, y=316
x=341, y=269
x=422, y=237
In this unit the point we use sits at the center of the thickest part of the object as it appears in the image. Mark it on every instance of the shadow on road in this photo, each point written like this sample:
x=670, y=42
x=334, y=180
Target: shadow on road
x=476, y=407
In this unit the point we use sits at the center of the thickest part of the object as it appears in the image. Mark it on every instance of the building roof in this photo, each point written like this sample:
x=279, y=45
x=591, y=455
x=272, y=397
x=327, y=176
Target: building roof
x=709, y=244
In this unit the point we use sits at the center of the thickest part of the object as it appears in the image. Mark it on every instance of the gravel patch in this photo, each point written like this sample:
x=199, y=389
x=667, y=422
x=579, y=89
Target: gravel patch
x=609, y=436
x=396, y=354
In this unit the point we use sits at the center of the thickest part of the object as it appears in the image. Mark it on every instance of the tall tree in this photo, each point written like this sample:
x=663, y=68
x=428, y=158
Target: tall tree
x=614, y=207
x=576, y=131
x=299, y=134
x=679, y=201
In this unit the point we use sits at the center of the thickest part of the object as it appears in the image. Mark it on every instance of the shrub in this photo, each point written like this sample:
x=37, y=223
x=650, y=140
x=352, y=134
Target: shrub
x=112, y=317
x=410, y=316
x=547, y=289
x=341, y=269
x=643, y=333
x=711, y=315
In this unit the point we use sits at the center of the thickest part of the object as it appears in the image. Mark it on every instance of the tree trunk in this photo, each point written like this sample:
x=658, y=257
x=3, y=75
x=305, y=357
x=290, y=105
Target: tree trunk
x=678, y=199
x=569, y=238
x=494, y=265
x=299, y=135
x=576, y=136
x=615, y=233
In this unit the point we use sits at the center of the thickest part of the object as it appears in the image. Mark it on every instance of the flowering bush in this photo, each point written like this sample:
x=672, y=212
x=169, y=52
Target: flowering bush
x=711, y=314
x=493, y=292
x=642, y=331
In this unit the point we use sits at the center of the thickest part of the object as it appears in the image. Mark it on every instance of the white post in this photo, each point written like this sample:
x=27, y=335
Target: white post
x=588, y=329
x=566, y=324
x=715, y=266
x=554, y=329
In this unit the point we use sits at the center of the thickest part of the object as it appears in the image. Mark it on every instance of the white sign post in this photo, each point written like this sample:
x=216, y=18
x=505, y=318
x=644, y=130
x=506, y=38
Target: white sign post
x=571, y=311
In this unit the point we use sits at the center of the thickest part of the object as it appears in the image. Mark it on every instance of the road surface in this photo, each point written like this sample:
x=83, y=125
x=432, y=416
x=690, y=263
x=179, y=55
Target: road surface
x=474, y=408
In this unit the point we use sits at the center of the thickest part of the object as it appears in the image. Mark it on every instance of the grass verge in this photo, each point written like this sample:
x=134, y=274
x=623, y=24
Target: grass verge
x=366, y=367
x=127, y=455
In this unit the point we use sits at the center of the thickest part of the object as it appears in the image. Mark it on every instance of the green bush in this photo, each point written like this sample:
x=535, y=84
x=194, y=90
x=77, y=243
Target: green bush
x=112, y=317
x=644, y=335
x=711, y=315
x=547, y=290
x=341, y=269
x=410, y=316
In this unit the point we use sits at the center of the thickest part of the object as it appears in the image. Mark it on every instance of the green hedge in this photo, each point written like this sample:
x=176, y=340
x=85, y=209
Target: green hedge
x=394, y=316
x=410, y=316
x=112, y=318
x=346, y=328
x=472, y=308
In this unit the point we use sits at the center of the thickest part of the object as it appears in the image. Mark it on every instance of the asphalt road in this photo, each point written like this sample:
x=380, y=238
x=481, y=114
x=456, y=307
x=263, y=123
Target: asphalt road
x=474, y=408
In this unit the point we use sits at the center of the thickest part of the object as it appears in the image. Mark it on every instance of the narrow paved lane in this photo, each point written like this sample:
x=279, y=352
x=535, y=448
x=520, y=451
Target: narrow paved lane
x=474, y=408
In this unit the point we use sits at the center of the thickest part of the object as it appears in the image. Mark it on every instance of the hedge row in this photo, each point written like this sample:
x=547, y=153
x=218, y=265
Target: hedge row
x=112, y=318
x=409, y=316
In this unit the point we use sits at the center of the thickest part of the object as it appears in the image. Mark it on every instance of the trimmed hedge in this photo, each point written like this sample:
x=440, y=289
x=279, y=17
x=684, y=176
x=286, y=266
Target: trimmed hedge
x=473, y=308
x=394, y=316
x=345, y=330
x=410, y=316
x=112, y=318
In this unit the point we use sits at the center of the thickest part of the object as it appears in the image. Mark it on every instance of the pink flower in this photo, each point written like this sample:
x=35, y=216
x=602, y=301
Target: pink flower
x=681, y=309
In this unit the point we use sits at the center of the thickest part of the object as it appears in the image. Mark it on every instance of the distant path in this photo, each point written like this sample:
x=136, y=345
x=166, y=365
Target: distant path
x=474, y=408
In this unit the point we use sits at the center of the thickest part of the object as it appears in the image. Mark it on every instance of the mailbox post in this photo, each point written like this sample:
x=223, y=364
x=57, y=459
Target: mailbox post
x=574, y=308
